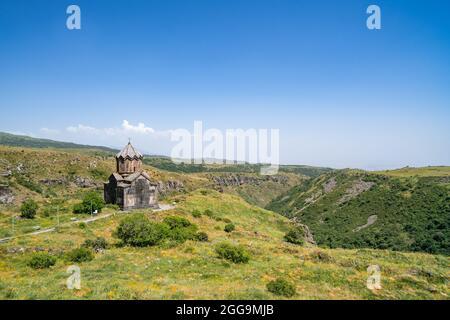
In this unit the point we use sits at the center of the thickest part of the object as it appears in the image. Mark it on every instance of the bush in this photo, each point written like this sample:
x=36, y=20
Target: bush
x=28, y=209
x=176, y=222
x=41, y=260
x=91, y=201
x=201, y=236
x=234, y=253
x=138, y=231
x=281, y=287
x=229, y=227
x=82, y=225
x=196, y=213
x=180, y=229
x=81, y=254
x=97, y=244
x=295, y=236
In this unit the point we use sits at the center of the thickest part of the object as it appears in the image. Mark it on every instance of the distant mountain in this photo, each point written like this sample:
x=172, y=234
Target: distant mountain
x=405, y=210
x=165, y=163
x=158, y=161
x=13, y=140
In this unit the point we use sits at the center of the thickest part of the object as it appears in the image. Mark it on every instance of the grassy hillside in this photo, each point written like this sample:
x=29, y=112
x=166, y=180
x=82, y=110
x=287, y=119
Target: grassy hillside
x=192, y=270
x=441, y=171
x=57, y=179
x=13, y=140
x=64, y=175
x=159, y=162
x=405, y=210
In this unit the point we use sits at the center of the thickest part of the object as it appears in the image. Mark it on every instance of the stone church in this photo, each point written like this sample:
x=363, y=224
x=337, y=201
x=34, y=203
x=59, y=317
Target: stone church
x=130, y=186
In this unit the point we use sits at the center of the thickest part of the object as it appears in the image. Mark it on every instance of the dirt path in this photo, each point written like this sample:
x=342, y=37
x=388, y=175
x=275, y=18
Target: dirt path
x=162, y=207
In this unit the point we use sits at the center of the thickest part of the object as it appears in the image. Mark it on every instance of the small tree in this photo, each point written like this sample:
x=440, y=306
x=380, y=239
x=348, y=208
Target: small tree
x=91, y=201
x=28, y=209
x=295, y=236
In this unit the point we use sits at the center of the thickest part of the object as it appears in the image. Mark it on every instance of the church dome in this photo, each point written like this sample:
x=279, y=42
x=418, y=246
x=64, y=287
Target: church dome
x=129, y=152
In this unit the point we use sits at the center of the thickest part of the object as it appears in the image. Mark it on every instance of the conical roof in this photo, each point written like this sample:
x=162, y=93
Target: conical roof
x=129, y=152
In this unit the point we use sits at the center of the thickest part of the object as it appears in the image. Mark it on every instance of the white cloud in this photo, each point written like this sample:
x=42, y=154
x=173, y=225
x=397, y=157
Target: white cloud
x=144, y=137
x=140, y=128
x=83, y=129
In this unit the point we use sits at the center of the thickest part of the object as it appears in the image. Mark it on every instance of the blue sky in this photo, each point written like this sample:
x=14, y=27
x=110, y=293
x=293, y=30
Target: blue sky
x=341, y=95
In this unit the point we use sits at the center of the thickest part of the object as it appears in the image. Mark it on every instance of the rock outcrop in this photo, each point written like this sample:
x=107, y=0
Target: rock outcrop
x=85, y=182
x=355, y=190
x=239, y=179
x=165, y=187
x=6, y=195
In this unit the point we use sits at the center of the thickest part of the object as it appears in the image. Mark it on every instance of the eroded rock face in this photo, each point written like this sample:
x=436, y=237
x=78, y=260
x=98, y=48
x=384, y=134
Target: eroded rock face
x=165, y=187
x=6, y=195
x=53, y=182
x=84, y=182
x=329, y=185
x=237, y=179
x=355, y=190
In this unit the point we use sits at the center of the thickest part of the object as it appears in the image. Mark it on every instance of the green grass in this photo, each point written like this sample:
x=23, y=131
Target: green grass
x=193, y=270
x=442, y=171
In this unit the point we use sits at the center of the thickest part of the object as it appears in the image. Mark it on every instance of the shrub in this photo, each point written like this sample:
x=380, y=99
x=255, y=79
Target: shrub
x=98, y=243
x=81, y=254
x=180, y=229
x=28, y=209
x=82, y=225
x=295, y=236
x=91, y=201
x=229, y=227
x=176, y=222
x=41, y=260
x=234, y=253
x=196, y=213
x=201, y=236
x=281, y=287
x=138, y=231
